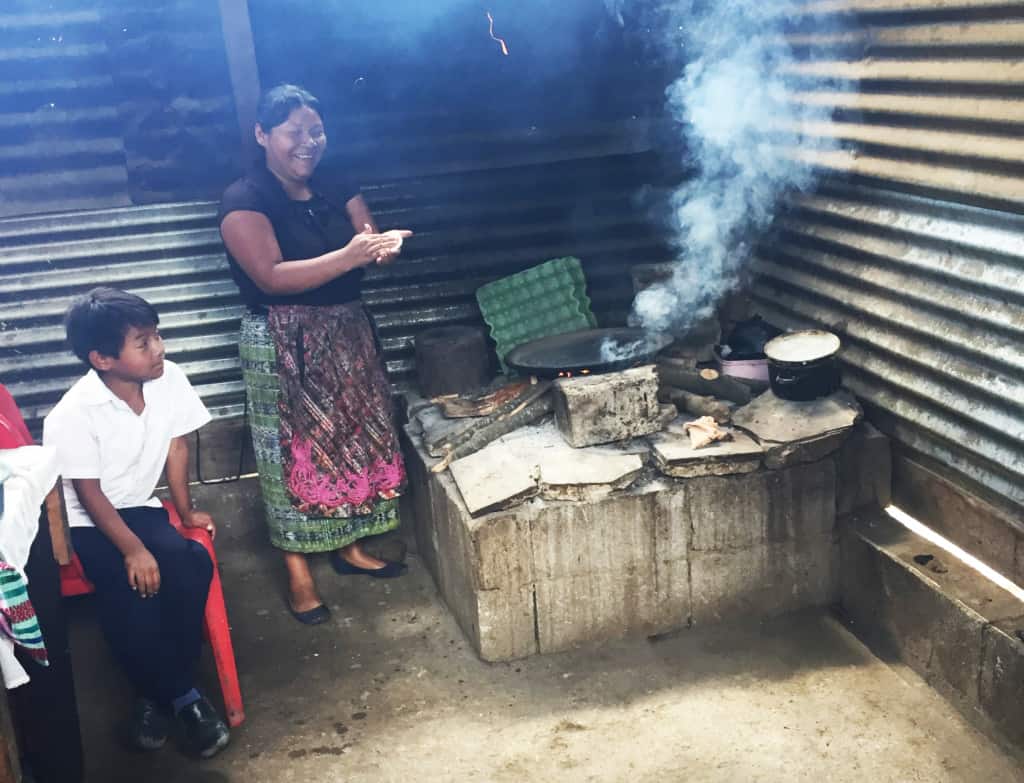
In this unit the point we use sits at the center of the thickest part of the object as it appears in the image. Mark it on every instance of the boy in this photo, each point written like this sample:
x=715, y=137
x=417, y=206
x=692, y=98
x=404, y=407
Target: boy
x=115, y=430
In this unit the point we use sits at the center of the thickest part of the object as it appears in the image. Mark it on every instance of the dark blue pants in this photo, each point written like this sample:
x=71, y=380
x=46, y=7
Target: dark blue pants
x=155, y=640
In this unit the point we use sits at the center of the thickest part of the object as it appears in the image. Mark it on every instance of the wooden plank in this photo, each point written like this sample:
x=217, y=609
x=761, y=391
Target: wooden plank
x=57, y=517
x=245, y=77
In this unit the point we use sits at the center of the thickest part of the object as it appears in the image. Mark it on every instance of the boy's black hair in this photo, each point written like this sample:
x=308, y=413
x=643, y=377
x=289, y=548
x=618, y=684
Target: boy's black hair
x=99, y=320
x=279, y=102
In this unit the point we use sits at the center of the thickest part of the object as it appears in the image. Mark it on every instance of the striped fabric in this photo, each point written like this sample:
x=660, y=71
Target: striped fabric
x=18, y=617
x=290, y=529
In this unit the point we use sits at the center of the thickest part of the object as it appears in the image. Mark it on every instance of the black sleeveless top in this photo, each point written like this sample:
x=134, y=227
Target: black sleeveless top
x=304, y=229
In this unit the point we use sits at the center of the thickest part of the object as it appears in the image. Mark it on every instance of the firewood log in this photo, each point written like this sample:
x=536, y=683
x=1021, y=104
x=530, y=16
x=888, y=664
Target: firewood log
x=696, y=404
x=528, y=409
x=686, y=378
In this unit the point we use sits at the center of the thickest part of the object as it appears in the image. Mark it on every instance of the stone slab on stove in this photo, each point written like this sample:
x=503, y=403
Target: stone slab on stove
x=797, y=432
x=536, y=459
x=587, y=474
x=568, y=473
x=676, y=457
x=494, y=478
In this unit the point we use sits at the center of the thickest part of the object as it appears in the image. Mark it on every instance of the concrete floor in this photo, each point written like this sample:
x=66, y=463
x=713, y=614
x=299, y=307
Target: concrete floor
x=390, y=691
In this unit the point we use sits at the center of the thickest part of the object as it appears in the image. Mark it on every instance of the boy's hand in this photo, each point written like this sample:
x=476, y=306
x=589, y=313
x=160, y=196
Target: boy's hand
x=143, y=572
x=201, y=520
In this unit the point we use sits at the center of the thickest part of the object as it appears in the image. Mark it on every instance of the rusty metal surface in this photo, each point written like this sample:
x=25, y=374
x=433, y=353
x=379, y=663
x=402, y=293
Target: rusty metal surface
x=567, y=195
x=913, y=249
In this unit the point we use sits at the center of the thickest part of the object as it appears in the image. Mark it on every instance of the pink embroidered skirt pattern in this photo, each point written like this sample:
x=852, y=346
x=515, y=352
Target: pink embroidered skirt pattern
x=339, y=447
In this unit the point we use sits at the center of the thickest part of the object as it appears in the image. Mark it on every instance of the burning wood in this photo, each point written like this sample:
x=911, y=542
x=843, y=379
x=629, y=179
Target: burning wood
x=455, y=406
x=705, y=431
x=532, y=404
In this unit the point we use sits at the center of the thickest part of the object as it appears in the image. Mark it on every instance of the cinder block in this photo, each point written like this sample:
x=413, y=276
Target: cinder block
x=735, y=512
x=801, y=501
x=429, y=503
x=672, y=559
x=864, y=469
x=503, y=624
x=502, y=554
x=1001, y=688
x=727, y=512
x=764, y=580
x=594, y=607
x=615, y=534
x=607, y=408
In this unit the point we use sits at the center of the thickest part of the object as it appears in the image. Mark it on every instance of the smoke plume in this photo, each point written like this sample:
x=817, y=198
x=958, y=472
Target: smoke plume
x=732, y=106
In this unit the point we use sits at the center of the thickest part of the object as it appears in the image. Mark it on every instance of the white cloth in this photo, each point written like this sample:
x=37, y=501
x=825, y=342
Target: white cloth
x=14, y=673
x=97, y=436
x=33, y=471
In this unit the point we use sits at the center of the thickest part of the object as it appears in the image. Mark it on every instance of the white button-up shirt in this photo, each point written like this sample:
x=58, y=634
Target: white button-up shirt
x=98, y=436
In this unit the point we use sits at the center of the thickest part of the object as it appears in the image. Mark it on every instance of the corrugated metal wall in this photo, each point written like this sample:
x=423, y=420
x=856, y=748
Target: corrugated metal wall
x=105, y=103
x=61, y=139
x=534, y=196
x=913, y=249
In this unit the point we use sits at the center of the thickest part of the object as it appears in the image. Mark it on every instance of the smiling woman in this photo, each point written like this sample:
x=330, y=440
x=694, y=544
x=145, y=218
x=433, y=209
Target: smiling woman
x=319, y=401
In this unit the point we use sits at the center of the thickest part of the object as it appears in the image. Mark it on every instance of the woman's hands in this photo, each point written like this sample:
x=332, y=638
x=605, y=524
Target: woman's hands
x=397, y=237
x=371, y=247
x=367, y=248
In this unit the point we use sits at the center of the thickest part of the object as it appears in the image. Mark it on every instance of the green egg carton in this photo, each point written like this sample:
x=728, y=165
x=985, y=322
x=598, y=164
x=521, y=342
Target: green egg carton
x=538, y=302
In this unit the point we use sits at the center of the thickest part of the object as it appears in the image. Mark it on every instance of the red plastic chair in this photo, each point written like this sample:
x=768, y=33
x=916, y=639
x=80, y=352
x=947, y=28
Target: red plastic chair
x=215, y=620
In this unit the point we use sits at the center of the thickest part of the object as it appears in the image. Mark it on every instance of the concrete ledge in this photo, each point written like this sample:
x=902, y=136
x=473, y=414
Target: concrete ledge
x=994, y=535
x=949, y=624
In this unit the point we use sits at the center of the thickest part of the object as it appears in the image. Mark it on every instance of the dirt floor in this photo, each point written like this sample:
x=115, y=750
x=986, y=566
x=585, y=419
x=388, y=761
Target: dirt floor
x=390, y=691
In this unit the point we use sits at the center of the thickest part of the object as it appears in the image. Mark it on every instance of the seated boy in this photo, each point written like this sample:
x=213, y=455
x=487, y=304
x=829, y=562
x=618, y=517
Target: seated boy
x=115, y=430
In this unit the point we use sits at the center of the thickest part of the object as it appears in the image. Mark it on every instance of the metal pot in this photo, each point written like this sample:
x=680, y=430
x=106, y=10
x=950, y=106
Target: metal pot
x=804, y=365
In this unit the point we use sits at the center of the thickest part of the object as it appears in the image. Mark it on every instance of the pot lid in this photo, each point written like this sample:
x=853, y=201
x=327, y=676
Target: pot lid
x=805, y=346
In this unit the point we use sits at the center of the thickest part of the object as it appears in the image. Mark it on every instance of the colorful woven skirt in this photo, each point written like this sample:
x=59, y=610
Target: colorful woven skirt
x=338, y=481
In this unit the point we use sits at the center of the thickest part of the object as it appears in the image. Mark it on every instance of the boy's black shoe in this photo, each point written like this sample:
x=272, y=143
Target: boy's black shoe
x=204, y=732
x=148, y=727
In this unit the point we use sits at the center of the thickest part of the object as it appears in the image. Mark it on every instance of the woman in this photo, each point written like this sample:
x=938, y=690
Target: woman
x=319, y=402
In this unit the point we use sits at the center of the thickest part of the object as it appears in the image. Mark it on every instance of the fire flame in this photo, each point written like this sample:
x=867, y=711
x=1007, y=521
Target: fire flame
x=569, y=374
x=501, y=41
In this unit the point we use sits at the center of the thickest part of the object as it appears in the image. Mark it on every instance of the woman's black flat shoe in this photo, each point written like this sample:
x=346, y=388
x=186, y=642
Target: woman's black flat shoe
x=314, y=616
x=345, y=568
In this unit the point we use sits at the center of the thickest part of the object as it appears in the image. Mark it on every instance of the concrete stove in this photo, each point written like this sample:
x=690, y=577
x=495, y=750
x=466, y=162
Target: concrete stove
x=537, y=546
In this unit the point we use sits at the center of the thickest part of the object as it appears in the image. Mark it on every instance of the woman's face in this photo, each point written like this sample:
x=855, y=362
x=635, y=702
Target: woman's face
x=295, y=147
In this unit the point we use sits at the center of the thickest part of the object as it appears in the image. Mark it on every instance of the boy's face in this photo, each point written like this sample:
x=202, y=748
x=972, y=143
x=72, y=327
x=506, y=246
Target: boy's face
x=141, y=359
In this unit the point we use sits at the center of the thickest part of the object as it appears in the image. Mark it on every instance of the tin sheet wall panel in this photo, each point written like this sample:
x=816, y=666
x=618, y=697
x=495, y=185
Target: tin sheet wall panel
x=913, y=248
x=472, y=226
